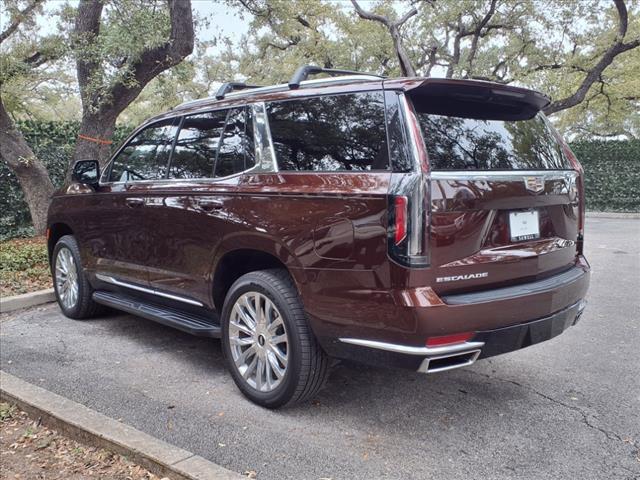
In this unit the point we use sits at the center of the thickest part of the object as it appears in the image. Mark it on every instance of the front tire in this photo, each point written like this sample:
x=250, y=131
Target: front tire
x=271, y=352
x=72, y=289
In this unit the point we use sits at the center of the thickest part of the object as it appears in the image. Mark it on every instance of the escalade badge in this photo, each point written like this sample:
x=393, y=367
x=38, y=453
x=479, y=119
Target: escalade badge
x=534, y=184
x=468, y=276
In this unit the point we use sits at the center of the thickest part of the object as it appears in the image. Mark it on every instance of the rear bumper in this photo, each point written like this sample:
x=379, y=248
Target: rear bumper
x=379, y=332
x=484, y=344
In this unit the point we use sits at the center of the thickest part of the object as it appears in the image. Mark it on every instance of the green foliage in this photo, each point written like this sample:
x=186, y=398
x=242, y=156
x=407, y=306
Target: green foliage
x=612, y=174
x=53, y=143
x=24, y=266
x=18, y=256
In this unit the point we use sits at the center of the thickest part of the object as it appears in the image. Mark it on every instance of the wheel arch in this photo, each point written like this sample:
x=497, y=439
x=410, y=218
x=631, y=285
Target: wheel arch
x=55, y=232
x=235, y=263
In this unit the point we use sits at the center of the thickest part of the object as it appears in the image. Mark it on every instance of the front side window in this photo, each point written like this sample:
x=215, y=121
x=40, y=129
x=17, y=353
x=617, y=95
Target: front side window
x=195, y=151
x=146, y=155
x=330, y=133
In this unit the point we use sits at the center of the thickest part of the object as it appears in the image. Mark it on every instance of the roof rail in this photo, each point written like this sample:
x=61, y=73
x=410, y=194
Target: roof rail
x=230, y=87
x=303, y=73
x=252, y=89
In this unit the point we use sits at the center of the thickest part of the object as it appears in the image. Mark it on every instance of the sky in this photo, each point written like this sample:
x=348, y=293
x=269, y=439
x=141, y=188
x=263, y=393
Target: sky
x=224, y=21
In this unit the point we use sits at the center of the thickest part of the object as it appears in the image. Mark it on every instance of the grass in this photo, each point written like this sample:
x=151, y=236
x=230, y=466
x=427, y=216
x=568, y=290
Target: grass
x=24, y=266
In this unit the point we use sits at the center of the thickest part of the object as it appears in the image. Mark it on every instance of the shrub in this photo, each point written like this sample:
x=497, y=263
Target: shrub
x=612, y=174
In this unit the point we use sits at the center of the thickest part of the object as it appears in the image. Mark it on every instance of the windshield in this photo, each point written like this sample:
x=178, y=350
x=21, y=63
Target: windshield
x=457, y=143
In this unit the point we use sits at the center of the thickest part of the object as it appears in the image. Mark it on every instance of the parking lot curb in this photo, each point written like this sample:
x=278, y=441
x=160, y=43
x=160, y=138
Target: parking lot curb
x=88, y=426
x=634, y=215
x=26, y=300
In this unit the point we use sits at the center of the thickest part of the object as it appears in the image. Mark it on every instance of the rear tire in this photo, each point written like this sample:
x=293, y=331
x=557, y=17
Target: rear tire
x=278, y=361
x=72, y=289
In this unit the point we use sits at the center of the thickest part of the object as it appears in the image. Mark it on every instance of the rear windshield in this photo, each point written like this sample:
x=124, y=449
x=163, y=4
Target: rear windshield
x=457, y=143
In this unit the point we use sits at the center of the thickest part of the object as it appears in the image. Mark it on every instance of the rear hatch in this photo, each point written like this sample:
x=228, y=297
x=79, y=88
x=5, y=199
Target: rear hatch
x=504, y=190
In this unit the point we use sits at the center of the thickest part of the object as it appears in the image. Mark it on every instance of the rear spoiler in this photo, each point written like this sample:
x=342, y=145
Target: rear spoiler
x=471, y=98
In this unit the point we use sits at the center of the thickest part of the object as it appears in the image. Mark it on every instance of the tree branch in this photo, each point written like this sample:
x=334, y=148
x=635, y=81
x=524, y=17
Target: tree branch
x=616, y=48
x=149, y=65
x=19, y=18
x=406, y=66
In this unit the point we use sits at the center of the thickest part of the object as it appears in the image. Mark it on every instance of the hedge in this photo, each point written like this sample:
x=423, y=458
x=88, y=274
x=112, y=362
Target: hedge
x=612, y=174
x=612, y=171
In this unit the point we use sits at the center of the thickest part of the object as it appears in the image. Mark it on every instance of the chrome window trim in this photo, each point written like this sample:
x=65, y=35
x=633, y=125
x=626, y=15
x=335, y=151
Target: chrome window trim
x=497, y=174
x=408, y=350
x=120, y=283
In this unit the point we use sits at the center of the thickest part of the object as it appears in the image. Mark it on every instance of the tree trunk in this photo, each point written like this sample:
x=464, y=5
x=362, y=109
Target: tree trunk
x=31, y=173
x=94, y=140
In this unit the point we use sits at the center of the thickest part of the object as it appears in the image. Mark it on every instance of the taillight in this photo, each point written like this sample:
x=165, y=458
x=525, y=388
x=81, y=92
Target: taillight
x=408, y=205
x=579, y=185
x=575, y=164
x=400, y=223
x=408, y=224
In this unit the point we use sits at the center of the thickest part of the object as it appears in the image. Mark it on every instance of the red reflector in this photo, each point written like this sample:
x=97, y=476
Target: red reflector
x=449, y=339
x=400, y=205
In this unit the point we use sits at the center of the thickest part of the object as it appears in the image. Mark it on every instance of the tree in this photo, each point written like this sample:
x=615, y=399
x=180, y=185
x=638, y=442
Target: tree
x=119, y=47
x=14, y=151
x=393, y=26
x=517, y=39
x=587, y=66
x=105, y=96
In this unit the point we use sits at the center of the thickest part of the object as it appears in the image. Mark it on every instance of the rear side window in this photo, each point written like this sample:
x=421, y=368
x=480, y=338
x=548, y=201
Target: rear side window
x=195, y=151
x=146, y=155
x=457, y=143
x=330, y=133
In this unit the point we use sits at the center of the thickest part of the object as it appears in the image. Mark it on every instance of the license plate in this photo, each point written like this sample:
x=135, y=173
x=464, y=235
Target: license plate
x=524, y=225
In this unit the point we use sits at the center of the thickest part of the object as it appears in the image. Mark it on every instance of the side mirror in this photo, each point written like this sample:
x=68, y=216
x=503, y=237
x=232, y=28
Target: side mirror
x=86, y=172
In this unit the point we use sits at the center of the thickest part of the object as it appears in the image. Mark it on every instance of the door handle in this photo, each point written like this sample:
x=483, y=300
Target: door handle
x=134, y=202
x=209, y=204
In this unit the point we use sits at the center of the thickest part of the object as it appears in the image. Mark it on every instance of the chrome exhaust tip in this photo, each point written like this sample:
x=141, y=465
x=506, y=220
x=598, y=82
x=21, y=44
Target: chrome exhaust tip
x=442, y=363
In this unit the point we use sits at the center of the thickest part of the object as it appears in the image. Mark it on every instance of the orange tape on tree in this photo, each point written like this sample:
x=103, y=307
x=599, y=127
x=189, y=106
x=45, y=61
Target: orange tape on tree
x=96, y=140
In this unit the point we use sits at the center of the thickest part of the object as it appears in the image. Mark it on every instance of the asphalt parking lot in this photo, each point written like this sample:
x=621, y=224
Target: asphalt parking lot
x=568, y=408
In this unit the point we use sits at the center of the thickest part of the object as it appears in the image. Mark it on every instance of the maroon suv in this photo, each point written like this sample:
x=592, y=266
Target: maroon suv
x=420, y=223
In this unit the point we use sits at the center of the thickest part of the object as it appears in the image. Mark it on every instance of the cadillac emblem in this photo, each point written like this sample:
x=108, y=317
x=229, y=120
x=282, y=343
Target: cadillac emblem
x=534, y=184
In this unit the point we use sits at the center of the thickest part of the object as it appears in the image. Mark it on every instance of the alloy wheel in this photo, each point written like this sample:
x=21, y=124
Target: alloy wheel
x=258, y=341
x=66, y=277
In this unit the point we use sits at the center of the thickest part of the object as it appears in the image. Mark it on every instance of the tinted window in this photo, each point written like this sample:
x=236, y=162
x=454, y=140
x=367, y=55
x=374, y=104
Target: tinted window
x=145, y=156
x=455, y=143
x=332, y=133
x=235, y=145
x=197, y=144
